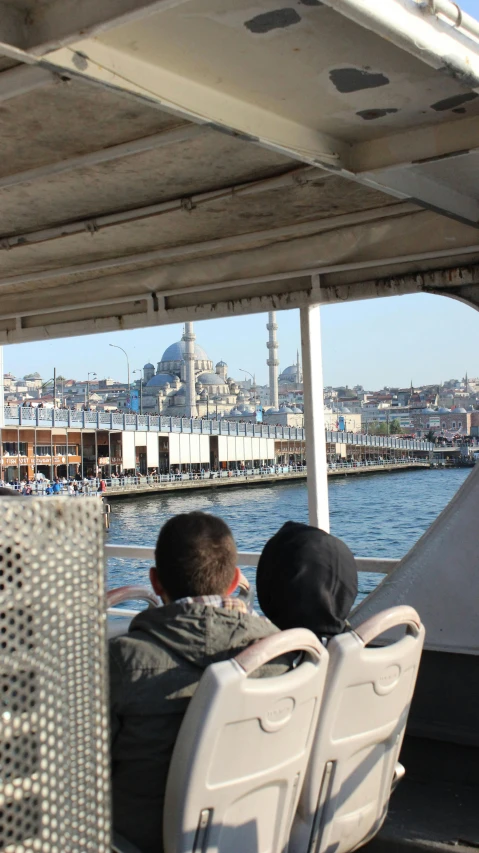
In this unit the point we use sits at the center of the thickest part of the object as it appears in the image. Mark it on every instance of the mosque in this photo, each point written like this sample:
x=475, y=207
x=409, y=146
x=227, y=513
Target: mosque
x=186, y=384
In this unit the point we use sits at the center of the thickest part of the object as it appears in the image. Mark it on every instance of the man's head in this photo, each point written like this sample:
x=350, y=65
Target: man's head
x=195, y=555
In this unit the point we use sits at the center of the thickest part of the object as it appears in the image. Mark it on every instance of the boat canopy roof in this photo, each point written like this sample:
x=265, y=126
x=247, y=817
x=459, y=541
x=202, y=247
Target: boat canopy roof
x=165, y=160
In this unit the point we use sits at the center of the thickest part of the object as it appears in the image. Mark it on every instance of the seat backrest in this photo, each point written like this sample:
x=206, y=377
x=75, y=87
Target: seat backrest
x=54, y=763
x=366, y=702
x=243, y=748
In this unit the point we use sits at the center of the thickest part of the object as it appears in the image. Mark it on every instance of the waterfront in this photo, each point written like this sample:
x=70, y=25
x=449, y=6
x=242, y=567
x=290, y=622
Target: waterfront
x=377, y=516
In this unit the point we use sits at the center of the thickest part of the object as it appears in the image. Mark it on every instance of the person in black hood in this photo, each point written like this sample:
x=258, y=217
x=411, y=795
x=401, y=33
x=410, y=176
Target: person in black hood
x=306, y=578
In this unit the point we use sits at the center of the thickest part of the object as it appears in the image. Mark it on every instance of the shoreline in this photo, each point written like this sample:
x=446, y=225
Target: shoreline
x=249, y=482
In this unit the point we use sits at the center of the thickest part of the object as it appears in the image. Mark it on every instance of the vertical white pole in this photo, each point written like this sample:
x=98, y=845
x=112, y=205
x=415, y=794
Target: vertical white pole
x=318, y=503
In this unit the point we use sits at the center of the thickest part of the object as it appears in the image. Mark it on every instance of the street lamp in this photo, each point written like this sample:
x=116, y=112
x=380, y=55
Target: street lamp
x=137, y=370
x=127, y=367
x=253, y=377
x=91, y=373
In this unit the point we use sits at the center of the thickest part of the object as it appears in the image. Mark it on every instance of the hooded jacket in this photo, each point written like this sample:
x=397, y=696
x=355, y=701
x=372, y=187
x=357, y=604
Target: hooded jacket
x=154, y=671
x=307, y=578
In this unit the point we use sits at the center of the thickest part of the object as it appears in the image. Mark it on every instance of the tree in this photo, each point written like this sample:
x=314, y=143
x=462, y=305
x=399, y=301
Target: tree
x=395, y=427
x=430, y=435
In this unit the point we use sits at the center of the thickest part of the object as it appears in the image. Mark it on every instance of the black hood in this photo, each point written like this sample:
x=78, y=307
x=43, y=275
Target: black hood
x=307, y=578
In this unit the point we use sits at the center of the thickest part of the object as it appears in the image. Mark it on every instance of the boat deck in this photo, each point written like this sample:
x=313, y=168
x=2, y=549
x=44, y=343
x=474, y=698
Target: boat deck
x=424, y=816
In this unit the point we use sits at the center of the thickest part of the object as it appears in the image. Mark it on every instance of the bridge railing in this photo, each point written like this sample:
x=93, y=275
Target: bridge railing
x=66, y=418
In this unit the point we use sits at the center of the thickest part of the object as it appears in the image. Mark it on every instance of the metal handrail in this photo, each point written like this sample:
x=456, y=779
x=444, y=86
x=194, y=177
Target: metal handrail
x=146, y=553
x=92, y=487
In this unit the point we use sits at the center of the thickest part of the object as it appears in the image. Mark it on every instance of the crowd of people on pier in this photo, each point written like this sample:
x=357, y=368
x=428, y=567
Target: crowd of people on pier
x=73, y=487
x=305, y=578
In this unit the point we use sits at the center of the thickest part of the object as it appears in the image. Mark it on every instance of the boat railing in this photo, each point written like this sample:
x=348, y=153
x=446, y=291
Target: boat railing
x=71, y=419
x=246, y=559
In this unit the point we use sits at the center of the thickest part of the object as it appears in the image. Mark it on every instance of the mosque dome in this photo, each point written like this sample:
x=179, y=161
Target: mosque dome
x=148, y=366
x=208, y=379
x=175, y=352
x=222, y=364
x=289, y=371
x=161, y=379
x=272, y=411
x=346, y=411
x=236, y=413
x=296, y=411
x=428, y=412
x=443, y=411
x=459, y=411
x=247, y=411
x=285, y=410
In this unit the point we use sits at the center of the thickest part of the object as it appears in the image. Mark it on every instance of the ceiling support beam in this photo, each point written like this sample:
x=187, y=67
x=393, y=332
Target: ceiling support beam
x=25, y=79
x=235, y=243
x=49, y=26
x=168, y=284
x=152, y=309
x=187, y=203
x=194, y=101
x=13, y=25
x=416, y=146
x=177, y=135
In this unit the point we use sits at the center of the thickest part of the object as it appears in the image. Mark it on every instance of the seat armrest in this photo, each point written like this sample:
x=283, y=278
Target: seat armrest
x=399, y=773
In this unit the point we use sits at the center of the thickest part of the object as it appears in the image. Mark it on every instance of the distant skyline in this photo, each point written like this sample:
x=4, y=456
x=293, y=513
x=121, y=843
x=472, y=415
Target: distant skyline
x=423, y=338
x=426, y=339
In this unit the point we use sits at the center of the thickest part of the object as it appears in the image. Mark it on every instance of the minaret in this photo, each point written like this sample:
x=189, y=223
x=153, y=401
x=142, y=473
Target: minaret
x=272, y=361
x=189, y=338
x=298, y=368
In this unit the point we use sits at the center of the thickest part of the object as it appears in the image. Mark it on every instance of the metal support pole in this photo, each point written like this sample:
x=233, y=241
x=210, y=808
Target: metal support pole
x=318, y=503
x=81, y=451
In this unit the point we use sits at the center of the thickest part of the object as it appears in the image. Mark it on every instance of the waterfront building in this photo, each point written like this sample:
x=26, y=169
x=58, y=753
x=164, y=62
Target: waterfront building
x=62, y=443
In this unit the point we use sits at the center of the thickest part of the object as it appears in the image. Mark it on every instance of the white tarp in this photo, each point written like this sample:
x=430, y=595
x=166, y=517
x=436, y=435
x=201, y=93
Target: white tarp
x=174, y=445
x=152, y=454
x=128, y=450
x=204, y=448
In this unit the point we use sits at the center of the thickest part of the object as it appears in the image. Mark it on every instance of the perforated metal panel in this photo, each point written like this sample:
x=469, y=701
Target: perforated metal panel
x=54, y=763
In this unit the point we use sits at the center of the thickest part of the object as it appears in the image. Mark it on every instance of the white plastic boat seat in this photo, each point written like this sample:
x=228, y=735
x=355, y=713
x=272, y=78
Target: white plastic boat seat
x=353, y=761
x=54, y=745
x=242, y=750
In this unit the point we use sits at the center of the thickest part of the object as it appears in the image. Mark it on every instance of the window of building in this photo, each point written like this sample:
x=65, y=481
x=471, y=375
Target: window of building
x=444, y=425
x=43, y=450
x=61, y=450
x=11, y=448
x=459, y=424
x=454, y=424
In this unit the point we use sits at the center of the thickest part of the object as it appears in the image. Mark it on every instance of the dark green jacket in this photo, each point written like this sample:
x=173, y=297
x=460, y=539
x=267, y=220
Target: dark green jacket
x=154, y=671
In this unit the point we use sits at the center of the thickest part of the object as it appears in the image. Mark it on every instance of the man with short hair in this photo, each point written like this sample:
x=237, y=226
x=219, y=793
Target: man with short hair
x=156, y=667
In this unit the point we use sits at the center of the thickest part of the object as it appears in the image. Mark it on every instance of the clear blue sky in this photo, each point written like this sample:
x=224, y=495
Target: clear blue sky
x=372, y=343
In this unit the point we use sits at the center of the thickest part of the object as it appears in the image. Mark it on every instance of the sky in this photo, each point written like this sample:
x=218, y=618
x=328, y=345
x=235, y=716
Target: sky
x=421, y=338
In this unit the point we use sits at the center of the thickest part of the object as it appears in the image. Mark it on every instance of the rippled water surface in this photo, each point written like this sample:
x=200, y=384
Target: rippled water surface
x=378, y=515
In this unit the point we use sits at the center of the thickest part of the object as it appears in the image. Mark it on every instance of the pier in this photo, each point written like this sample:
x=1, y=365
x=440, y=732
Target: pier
x=132, y=486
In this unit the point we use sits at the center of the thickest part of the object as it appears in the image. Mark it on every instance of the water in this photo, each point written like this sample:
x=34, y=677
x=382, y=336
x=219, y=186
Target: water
x=380, y=515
